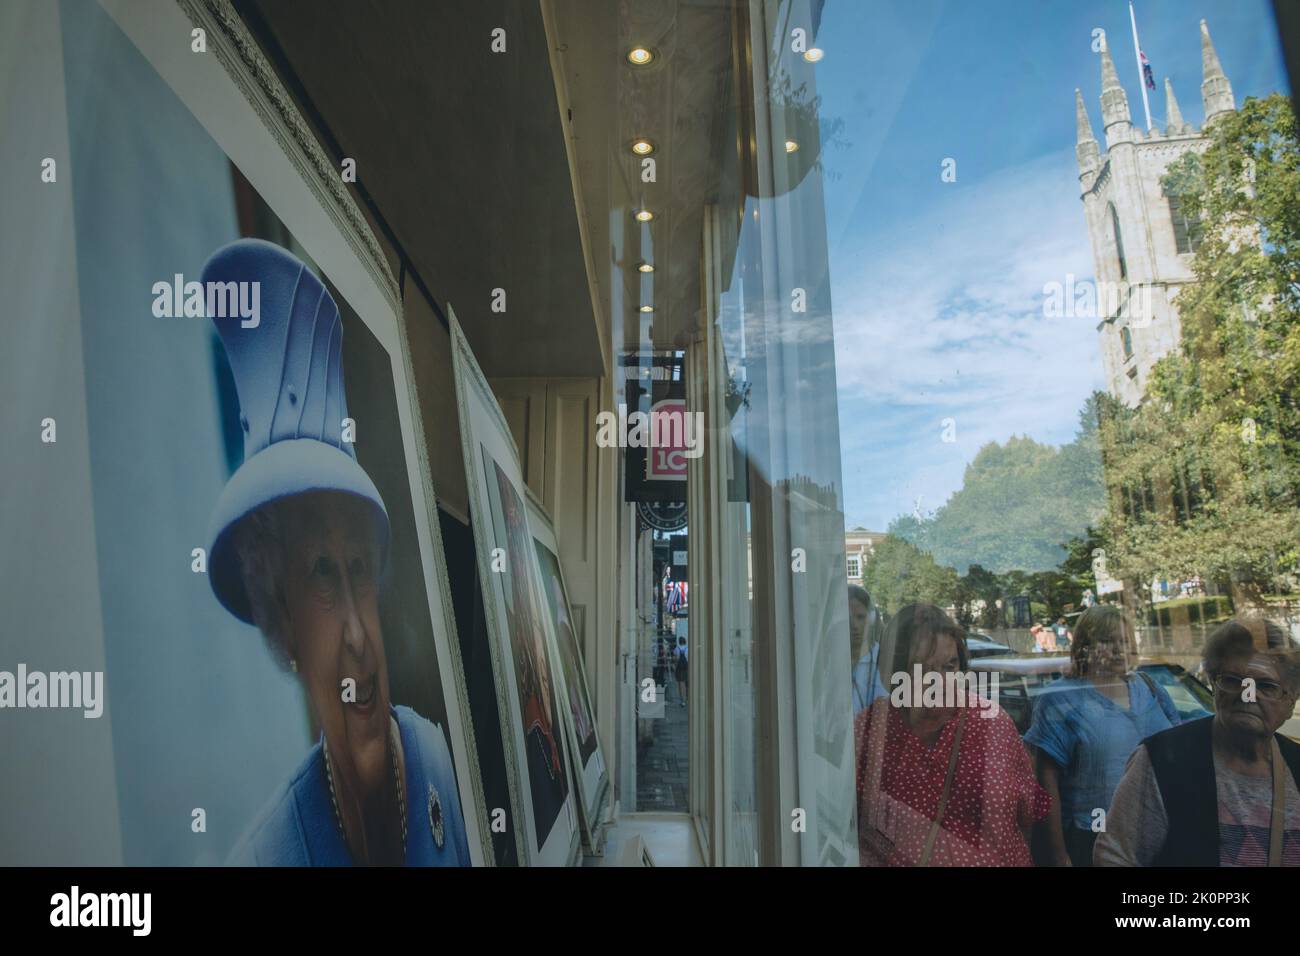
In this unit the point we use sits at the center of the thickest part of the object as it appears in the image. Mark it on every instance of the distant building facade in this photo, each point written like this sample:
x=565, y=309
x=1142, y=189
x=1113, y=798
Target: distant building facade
x=859, y=546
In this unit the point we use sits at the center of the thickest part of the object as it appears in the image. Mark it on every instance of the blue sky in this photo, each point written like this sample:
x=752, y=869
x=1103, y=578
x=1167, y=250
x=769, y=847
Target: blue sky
x=937, y=287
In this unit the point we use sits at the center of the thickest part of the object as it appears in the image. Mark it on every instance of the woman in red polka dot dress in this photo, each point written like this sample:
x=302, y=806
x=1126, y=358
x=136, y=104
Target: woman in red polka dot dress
x=942, y=785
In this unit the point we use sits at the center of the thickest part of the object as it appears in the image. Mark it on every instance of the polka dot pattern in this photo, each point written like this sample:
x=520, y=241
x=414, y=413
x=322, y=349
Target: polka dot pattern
x=900, y=781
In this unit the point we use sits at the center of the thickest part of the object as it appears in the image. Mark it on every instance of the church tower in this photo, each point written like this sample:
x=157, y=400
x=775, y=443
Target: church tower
x=1142, y=244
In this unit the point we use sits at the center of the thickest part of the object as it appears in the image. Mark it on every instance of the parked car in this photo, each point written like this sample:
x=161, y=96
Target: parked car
x=1191, y=698
x=1022, y=679
x=981, y=645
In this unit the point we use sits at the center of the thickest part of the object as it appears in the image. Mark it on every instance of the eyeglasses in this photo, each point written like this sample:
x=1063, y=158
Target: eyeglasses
x=1264, y=689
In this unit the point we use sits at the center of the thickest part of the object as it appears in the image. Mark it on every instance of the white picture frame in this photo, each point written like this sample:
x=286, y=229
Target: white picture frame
x=590, y=770
x=520, y=635
x=234, y=93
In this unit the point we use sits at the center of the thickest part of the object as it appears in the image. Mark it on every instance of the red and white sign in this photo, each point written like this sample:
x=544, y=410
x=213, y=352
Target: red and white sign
x=666, y=456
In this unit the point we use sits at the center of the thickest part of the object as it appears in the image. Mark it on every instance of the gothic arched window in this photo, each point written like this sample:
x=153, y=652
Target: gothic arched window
x=1126, y=337
x=1187, y=230
x=1118, y=237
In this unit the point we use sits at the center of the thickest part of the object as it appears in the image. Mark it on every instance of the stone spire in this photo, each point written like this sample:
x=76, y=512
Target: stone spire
x=1216, y=91
x=1114, y=102
x=1173, y=115
x=1086, y=152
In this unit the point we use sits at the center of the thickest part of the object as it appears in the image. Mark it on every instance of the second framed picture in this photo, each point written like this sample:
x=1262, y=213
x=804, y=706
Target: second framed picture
x=529, y=681
x=589, y=769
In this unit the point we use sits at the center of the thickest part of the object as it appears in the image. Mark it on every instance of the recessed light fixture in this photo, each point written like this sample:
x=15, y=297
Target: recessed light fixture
x=640, y=56
x=647, y=308
x=643, y=147
x=791, y=146
x=645, y=267
x=644, y=215
x=813, y=54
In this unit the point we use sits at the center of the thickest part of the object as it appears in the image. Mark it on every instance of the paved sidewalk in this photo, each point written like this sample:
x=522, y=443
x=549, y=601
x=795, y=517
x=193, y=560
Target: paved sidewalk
x=661, y=771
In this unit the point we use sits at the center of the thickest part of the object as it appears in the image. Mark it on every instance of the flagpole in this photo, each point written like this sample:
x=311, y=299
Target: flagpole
x=1137, y=56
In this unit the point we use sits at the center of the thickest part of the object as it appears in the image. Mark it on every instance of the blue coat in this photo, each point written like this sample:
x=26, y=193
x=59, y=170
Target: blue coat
x=298, y=826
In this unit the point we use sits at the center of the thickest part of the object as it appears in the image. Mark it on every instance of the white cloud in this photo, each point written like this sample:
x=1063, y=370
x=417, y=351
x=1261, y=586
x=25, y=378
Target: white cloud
x=943, y=317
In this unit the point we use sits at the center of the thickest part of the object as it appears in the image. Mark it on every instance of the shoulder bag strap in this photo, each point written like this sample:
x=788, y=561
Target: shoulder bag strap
x=1277, y=822
x=943, y=798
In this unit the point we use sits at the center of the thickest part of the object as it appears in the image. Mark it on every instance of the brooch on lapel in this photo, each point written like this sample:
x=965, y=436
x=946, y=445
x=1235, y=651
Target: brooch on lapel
x=435, y=816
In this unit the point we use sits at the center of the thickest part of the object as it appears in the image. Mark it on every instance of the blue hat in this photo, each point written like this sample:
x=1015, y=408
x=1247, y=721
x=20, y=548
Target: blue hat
x=288, y=371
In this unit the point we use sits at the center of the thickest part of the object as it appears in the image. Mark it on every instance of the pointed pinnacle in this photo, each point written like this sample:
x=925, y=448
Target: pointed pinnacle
x=1109, y=78
x=1209, y=59
x=1082, y=123
x=1173, y=115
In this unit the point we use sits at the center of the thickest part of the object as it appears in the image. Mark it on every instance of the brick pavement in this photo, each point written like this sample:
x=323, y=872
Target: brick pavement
x=661, y=769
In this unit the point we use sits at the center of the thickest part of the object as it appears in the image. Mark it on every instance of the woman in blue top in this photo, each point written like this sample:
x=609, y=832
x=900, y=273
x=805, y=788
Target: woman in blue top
x=1084, y=729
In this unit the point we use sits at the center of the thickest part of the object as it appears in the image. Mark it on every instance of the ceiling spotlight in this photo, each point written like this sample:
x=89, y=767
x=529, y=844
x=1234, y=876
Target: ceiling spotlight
x=644, y=215
x=640, y=56
x=813, y=54
x=791, y=146
x=643, y=147
x=645, y=267
x=647, y=308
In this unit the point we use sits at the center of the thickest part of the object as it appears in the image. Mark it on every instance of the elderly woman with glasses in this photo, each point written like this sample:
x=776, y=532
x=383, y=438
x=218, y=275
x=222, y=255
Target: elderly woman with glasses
x=300, y=539
x=1222, y=790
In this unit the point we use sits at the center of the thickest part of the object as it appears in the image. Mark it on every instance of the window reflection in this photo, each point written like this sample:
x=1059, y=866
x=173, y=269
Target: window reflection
x=1031, y=406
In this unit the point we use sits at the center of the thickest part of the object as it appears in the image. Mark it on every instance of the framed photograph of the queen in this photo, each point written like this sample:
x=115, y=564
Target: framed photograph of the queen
x=244, y=523
x=531, y=691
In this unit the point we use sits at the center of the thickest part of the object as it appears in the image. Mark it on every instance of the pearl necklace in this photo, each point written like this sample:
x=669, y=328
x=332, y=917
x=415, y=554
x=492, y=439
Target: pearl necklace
x=394, y=742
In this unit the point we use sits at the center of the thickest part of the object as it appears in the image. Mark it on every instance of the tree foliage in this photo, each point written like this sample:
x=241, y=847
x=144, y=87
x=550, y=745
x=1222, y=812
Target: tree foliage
x=899, y=573
x=1017, y=504
x=1202, y=476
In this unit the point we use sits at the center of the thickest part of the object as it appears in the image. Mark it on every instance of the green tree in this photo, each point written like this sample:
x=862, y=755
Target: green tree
x=1079, y=557
x=1054, y=590
x=1017, y=503
x=980, y=592
x=1202, y=476
x=899, y=573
